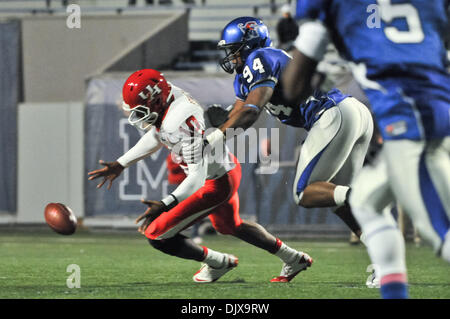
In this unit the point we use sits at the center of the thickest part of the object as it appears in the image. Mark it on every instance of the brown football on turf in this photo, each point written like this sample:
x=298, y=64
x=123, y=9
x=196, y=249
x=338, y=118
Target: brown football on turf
x=60, y=218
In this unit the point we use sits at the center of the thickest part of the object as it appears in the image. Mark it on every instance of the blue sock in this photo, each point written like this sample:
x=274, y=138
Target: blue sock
x=394, y=290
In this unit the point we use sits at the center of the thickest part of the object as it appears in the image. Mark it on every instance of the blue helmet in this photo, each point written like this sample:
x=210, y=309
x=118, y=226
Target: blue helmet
x=242, y=36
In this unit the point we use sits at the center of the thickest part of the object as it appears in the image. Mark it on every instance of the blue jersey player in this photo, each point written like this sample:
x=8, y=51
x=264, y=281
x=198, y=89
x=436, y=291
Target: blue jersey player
x=398, y=56
x=339, y=127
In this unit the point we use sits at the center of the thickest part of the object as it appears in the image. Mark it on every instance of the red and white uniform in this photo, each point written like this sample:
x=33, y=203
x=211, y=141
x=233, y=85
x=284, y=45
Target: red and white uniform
x=211, y=184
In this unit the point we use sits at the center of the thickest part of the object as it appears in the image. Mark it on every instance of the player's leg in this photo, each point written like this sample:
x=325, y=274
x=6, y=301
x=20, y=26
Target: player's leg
x=311, y=186
x=226, y=220
x=428, y=97
x=179, y=246
x=439, y=169
x=420, y=177
x=228, y=184
x=354, y=113
x=371, y=194
x=341, y=131
x=335, y=147
x=164, y=232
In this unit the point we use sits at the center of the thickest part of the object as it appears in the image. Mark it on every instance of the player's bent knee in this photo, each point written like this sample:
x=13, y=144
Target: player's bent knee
x=155, y=230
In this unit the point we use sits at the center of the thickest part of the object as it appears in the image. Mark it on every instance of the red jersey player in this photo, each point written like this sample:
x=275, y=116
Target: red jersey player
x=172, y=118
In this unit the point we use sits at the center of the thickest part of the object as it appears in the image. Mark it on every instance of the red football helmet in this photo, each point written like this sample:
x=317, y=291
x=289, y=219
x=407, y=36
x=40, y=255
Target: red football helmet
x=146, y=94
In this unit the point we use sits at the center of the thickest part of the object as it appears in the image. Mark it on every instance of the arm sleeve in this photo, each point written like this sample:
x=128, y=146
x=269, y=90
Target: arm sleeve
x=195, y=179
x=147, y=145
x=196, y=170
x=313, y=39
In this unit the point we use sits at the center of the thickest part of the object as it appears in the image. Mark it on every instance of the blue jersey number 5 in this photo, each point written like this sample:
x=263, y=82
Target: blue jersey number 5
x=407, y=11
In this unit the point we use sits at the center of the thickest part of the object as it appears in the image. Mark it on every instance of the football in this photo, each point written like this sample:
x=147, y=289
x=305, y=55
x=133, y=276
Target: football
x=60, y=218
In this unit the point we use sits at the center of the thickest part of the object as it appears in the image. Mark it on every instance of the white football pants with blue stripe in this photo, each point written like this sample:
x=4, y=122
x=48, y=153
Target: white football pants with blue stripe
x=335, y=147
x=415, y=174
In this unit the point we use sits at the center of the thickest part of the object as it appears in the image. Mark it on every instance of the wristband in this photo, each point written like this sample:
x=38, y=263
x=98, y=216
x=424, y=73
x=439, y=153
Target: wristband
x=252, y=106
x=215, y=137
x=340, y=193
x=169, y=202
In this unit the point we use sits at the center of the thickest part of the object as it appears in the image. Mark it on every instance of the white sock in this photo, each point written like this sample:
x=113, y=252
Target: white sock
x=386, y=246
x=286, y=253
x=445, y=252
x=388, y=219
x=213, y=258
x=340, y=194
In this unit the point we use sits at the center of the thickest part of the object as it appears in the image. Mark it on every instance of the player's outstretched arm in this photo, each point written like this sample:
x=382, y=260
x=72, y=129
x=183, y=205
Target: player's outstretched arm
x=237, y=106
x=109, y=172
x=244, y=116
x=147, y=145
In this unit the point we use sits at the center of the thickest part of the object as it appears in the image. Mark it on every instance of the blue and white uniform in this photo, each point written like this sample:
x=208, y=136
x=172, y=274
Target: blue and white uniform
x=396, y=48
x=399, y=59
x=340, y=127
x=263, y=67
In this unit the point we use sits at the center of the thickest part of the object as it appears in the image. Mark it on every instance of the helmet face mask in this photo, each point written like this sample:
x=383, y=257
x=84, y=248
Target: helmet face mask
x=239, y=38
x=232, y=54
x=141, y=117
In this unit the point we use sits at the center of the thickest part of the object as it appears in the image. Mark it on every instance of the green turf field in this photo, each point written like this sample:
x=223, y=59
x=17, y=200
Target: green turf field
x=124, y=265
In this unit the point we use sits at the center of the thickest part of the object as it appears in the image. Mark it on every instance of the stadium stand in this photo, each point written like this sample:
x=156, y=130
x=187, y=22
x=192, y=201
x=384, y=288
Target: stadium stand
x=205, y=19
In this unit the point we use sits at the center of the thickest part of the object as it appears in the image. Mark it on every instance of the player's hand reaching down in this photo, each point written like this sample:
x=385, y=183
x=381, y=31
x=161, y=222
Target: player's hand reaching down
x=155, y=208
x=109, y=173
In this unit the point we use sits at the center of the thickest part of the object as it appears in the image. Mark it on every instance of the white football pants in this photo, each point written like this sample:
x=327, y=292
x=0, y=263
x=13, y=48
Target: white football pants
x=335, y=147
x=416, y=174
